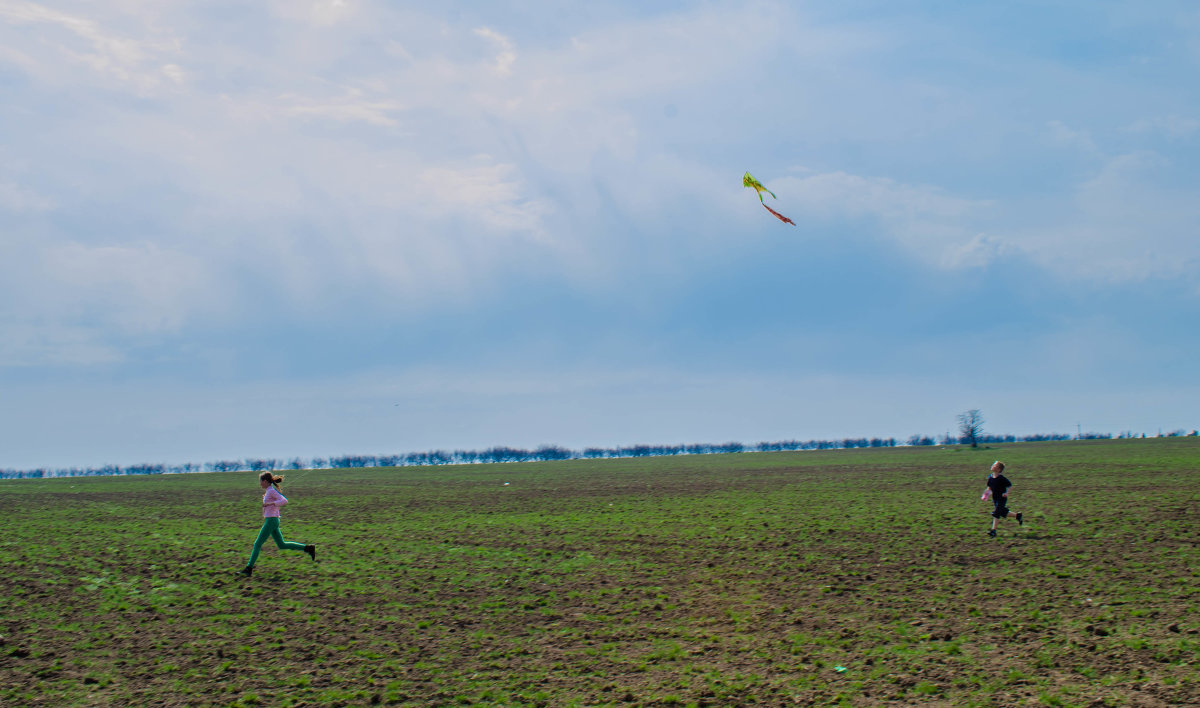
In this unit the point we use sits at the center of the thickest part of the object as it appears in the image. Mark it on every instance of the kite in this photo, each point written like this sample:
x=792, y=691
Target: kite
x=749, y=181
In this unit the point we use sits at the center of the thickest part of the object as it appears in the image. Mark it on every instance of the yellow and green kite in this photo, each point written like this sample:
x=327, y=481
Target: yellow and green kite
x=749, y=181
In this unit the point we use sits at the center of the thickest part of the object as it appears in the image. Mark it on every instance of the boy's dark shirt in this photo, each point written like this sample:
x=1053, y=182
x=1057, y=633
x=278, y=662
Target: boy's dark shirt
x=999, y=485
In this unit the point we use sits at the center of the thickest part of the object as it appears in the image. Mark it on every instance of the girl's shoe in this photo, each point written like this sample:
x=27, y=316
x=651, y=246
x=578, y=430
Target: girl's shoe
x=1019, y=521
x=311, y=550
x=992, y=532
x=247, y=571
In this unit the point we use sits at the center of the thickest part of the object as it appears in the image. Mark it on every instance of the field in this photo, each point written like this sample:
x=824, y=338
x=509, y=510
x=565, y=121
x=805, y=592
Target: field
x=846, y=577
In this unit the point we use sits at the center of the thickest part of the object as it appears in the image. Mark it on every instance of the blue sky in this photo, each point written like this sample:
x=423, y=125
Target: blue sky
x=294, y=228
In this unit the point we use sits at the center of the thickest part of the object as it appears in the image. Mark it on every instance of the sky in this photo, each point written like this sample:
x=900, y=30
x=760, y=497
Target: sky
x=289, y=228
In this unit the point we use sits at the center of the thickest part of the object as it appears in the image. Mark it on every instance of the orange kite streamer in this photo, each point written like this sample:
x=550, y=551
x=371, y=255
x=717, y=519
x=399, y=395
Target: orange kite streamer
x=779, y=216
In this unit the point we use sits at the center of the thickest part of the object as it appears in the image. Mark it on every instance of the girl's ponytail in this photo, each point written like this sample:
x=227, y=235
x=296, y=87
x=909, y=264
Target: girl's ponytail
x=271, y=477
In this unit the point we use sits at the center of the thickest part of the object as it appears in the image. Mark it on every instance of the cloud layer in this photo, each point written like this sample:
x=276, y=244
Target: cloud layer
x=184, y=188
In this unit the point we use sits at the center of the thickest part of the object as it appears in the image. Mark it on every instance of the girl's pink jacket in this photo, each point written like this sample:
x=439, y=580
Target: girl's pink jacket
x=272, y=500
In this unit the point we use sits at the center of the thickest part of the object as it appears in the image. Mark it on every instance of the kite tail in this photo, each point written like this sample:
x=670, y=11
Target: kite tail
x=779, y=216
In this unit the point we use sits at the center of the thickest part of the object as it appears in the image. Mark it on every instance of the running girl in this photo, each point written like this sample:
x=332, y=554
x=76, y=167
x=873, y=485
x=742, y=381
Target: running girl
x=997, y=487
x=272, y=500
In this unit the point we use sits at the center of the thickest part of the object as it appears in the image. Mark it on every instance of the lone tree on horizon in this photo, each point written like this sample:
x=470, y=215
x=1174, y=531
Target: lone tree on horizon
x=970, y=427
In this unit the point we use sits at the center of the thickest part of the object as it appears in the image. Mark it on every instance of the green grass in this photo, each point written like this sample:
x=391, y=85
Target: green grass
x=699, y=580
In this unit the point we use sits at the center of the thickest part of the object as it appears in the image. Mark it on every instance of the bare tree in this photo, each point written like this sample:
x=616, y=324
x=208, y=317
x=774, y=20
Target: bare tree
x=970, y=427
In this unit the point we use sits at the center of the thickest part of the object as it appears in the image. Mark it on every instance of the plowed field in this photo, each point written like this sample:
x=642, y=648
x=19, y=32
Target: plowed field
x=855, y=577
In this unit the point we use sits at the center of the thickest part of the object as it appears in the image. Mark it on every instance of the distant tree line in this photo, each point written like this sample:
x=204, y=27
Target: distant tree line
x=540, y=454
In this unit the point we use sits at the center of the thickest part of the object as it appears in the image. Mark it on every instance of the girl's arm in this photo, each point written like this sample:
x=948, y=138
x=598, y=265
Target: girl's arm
x=274, y=498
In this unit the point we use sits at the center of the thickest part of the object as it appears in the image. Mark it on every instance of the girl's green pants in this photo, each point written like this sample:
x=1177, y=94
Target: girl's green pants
x=270, y=529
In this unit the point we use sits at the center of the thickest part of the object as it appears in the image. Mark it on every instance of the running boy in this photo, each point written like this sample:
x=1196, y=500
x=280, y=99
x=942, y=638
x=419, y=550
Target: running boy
x=997, y=487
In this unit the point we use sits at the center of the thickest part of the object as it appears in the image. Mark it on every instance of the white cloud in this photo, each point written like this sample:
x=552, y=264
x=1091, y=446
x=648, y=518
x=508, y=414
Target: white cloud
x=936, y=226
x=426, y=203
x=175, y=73
x=1120, y=225
x=491, y=192
x=979, y=251
x=82, y=41
x=72, y=303
x=27, y=345
x=360, y=142
x=317, y=13
x=415, y=200
x=506, y=53
x=1172, y=126
x=138, y=288
x=571, y=101
x=18, y=58
x=1067, y=137
x=16, y=198
x=350, y=107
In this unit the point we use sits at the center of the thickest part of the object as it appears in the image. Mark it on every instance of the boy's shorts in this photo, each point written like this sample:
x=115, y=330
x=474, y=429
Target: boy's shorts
x=1000, y=511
